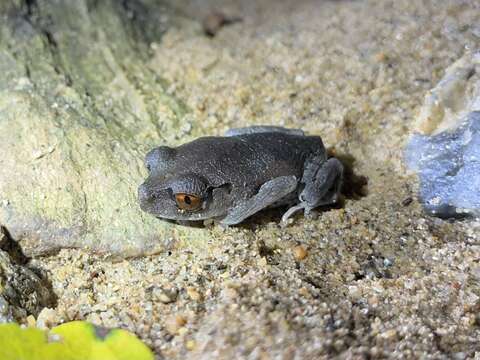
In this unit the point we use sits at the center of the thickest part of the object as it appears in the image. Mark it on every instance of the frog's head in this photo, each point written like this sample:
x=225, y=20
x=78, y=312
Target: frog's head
x=182, y=196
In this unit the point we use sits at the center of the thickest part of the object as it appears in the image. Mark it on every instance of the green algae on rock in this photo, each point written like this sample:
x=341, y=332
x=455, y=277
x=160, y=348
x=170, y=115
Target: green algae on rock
x=78, y=110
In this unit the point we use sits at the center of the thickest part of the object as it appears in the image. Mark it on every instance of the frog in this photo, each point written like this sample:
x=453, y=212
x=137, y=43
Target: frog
x=227, y=179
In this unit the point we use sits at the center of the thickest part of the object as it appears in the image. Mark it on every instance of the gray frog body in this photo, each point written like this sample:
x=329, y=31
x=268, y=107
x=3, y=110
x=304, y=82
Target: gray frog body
x=230, y=178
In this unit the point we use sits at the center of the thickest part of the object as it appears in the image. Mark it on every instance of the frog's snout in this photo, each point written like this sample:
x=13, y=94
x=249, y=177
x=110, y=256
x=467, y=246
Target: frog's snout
x=145, y=196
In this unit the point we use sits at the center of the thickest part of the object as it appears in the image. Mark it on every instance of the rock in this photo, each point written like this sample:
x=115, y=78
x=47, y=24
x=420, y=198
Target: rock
x=299, y=252
x=47, y=318
x=449, y=168
x=194, y=294
x=446, y=154
x=174, y=323
x=79, y=108
x=165, y=296
x=456, y=94
x=22, y=291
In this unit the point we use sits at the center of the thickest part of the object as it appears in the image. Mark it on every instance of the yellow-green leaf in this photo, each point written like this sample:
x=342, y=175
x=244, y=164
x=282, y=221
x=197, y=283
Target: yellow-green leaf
x=83, y=340
x=76, y=340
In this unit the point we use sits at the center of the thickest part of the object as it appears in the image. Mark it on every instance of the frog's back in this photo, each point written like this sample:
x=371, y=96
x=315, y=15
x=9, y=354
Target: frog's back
x=249, y=158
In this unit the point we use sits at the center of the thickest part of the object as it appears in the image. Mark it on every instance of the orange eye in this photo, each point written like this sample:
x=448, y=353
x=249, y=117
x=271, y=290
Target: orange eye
x=188, y=202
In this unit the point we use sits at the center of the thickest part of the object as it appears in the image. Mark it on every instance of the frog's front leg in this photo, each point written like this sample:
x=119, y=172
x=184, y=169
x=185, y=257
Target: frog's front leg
x=268, y=194
x=322, y=180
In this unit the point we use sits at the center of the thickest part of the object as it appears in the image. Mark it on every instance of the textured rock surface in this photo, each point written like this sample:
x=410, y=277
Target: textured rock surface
x=445, y=151
x=449, y=168
x=22, y=291
x=456, y=95
x=78, y=110
x=377, y=277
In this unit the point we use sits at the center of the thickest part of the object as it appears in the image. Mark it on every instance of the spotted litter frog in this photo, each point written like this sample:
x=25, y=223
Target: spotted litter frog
x=230, y=178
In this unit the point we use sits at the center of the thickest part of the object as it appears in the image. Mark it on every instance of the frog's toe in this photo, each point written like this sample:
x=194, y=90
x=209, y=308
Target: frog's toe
x=288, y=214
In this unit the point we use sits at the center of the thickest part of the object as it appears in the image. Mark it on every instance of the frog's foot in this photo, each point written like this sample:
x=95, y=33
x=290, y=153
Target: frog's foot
x=268, y=194
x=288, y=214
x=322, y=180
x=263, y=129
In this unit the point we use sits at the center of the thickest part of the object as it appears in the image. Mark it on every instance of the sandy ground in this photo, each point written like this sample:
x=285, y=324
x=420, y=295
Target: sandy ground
x=375, y=278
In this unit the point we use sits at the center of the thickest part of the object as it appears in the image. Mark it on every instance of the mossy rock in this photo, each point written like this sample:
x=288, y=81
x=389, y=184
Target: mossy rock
x=79, y=108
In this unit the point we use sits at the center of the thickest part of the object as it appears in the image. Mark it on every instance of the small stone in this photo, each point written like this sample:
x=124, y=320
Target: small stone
x=229, y=294
x=389, y=334
x=194, y=294
x=387, y=262
x=469, y=321
x=31, y=321
x=47, y=318
x=304, y=292
x=381, y=57
x=6, y=315
x=190, y=345
x=374, y=352
x=299, y=252
x=355, y=292
x=174, y=323
x=373, y=301
x=182, y=331
x=165, y=296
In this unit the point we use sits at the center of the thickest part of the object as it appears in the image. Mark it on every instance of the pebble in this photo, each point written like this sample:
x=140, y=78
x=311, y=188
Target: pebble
x=165, y=296
x=47, y=318
x=190, y=345
x=194, y=294
x=387, y=262
x=304, y=292
x=174, y=323
x=31, y=321
x=229, y=294
x=299, y=252
x=389, y=334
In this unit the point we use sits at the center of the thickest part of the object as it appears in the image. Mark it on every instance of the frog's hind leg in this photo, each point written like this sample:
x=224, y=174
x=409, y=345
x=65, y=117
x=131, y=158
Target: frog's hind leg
x=263, y=129
x=268, y=194
x=322, y=180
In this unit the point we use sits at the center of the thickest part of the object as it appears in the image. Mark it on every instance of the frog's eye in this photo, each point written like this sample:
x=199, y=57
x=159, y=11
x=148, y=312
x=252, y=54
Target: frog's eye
x=188, y=201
